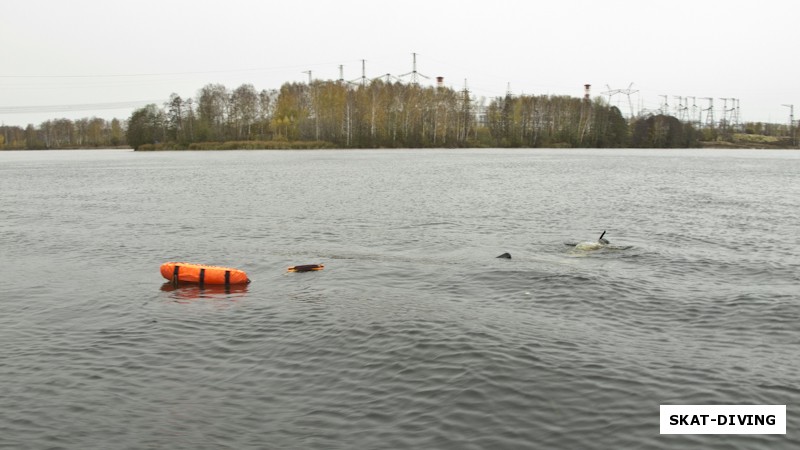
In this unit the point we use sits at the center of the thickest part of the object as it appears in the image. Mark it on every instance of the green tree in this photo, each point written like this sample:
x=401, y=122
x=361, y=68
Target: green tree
x=266, y=109
x=175, y=110
x=244, y=105
x=117, y=133
x=292, y=112
x=95, y=132
x=662, y=131
x=212, y=109
x=32, y=138
x=146, y=126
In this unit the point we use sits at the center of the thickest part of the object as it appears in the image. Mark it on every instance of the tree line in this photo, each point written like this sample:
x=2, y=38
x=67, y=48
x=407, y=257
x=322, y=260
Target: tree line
x=65, y=134
x=383, y=114
x=377, y=114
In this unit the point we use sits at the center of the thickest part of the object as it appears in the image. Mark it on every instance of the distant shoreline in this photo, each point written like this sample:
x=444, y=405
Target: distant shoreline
x=703, y=146
x=742, y=142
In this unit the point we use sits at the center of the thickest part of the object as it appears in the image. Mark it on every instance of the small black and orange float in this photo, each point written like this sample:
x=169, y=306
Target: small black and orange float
x=202, y=274
x=306, y=268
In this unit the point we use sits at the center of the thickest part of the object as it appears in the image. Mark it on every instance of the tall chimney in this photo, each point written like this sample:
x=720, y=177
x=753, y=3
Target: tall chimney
x=586, y=93
x=440, y=82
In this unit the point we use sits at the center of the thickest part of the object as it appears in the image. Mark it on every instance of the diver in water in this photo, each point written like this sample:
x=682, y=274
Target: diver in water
x=596, y=245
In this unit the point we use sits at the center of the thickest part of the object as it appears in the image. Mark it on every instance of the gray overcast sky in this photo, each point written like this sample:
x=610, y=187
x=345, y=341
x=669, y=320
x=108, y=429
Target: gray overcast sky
x=96, y=53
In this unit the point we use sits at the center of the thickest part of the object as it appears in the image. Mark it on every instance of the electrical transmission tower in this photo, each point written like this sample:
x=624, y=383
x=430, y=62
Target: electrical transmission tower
x=728, y=114
x=610, y=93
x=735, y=112
x=628, y=92
x=791, y=123
x=695, y=112
x=709, y=112
x=346, y=82
x=665, y=105
x=387, y=78
x=791, y=115
x=681, y=110
x=414, y=75
x=467, y=113
x=363, y=79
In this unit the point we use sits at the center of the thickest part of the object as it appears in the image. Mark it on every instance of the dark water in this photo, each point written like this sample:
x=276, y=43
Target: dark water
x=415, y=335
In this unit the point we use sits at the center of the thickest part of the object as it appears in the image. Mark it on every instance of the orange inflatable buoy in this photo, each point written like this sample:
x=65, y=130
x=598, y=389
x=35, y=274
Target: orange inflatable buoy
x=306, y=268
x=202, y=274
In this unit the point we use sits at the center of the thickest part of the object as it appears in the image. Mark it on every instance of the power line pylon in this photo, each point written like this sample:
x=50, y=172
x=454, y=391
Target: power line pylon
x=665, y=105
x=466, y=109
x=387, y=78
x=709, y=112
x=731, y=115
x=695, y=112
x=791, y=114
x=610, y=93
x=791, y=123
x=363, y=79
x=735, y=112
x=728, y=114
x=628, y=92
x=681, y=110
x=414, y=75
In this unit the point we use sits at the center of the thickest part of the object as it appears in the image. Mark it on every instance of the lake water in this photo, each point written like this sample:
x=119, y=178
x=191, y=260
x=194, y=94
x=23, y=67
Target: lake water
x=415, y=336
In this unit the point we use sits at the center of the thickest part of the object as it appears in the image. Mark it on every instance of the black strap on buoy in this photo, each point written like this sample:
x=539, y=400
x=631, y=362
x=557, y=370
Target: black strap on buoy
x=202, y=276
x=227, y=278
x=175, y=274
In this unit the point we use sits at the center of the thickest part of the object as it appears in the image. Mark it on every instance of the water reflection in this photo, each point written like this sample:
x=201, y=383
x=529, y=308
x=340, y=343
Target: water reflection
x=193, y=291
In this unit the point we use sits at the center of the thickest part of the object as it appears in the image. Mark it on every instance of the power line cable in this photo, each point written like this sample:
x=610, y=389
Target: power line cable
x=77, y=107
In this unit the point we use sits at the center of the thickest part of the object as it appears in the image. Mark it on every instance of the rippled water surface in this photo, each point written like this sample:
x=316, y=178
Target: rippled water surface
x=415, y=335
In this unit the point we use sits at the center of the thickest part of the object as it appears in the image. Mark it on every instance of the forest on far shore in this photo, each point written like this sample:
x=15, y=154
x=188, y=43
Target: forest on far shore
x=380, y=114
